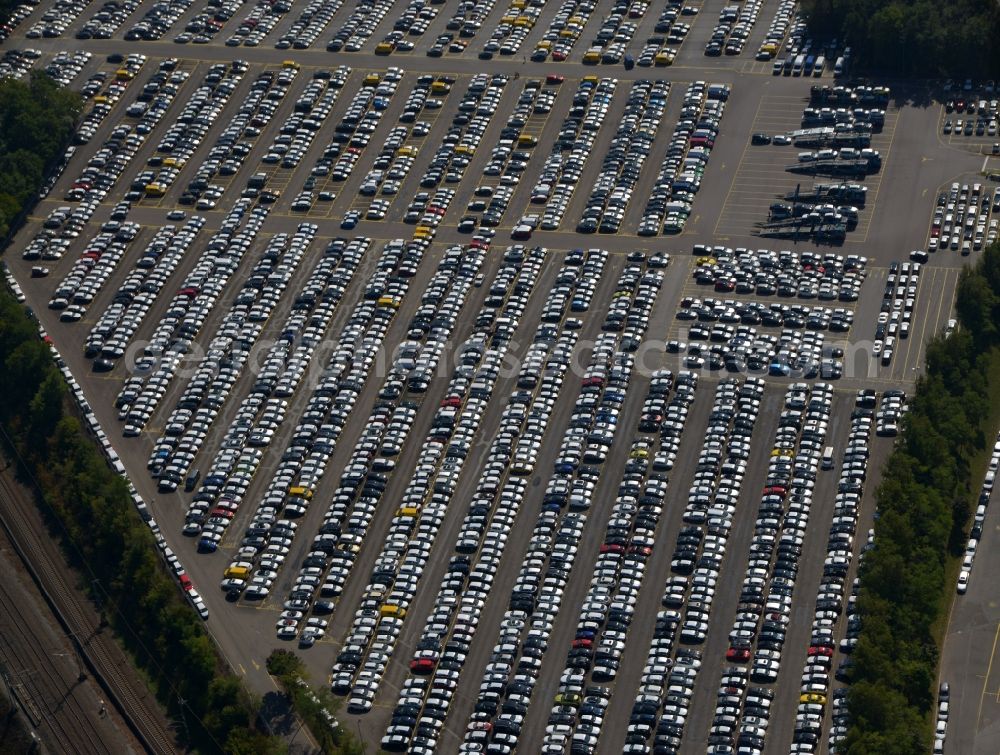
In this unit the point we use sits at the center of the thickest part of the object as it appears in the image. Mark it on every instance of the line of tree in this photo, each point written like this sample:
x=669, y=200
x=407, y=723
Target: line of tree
x=315, y=707
x=89, y=507
x=914, y=37
x=36, y=120
x=929, y=486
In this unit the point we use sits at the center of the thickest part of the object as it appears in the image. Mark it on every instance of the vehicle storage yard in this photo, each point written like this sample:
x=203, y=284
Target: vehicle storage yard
x=451, y=352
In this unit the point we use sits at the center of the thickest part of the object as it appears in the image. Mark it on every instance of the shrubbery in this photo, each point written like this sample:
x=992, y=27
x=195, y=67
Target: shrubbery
x=929, y=487
x=36, y=120
x=923, y=37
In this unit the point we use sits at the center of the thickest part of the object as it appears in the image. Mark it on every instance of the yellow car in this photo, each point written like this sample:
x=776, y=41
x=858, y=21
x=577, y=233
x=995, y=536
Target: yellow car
x=813, y=697
x=568, y=698
x=709, y=261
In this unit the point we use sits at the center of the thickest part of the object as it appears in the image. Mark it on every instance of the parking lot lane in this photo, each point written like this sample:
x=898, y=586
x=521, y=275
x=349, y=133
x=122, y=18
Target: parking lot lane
x=810, y=572
x=969, y=660
x=727, y=593
x=916, y=161
x=482, y=644
x=648, y=604
x=657, y=153
x=935, y=289
x=424, y=602
x=692, y=52
x=592, y=167
x=309, y=524
x=577, y=587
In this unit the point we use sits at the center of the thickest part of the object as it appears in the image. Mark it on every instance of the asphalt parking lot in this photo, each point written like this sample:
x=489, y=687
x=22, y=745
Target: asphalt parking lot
x=387, y=407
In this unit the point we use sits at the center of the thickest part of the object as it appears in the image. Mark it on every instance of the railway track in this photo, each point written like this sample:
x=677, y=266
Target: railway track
x=136, y=705
x=41, y=689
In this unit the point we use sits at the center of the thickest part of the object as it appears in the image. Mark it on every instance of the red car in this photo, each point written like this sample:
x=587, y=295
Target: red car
x=422, y=666
x=738, y=655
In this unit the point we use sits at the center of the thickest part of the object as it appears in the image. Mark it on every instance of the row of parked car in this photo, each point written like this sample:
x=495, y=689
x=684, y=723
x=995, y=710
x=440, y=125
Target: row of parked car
x=185, y=134
x=628, y=150
x=775, y=314
x=616, y=31
x=513, y=28
x=403, y=559
x=107, y=19
x=92, y=269
x=15, y=63
x=512, y=671
x=66, y=66
x=15, y=16
x=56, y=20
x=578, y=132
x=833, y=589
x=512, y=153
x=286, y=363
x=563, y=31
x=174, y=335
x=698, y=554
x=608, y=609
x=402, y=144
x=225, y=356
x=448, y=631
x=300, y=128
x=115, y=327
x=742, y=349
x=669, y=203
x=962, y=219
x=157, y=20
x=733, y=29
x=898, y=301
x=332, y=397
x=359, y=25
x=985, y=491
x=373, y=459
x=778, y=29
x=104, y=99
x=764, y=611
x=309, y=24
x=806, y=275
